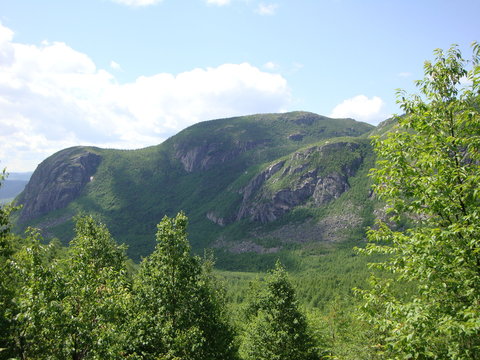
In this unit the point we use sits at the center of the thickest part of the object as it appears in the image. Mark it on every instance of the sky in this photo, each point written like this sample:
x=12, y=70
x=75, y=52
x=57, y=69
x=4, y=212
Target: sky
x=128, y=74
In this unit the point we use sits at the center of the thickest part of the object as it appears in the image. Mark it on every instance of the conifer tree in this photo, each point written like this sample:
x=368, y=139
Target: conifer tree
x=178, y=313
x=276, y=329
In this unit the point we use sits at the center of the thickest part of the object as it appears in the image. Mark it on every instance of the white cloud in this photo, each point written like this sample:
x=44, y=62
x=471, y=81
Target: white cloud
x=404, y=74
x=115, y=66
x=271, y=66
x=6, y=34
x=266, y=9
x=6, y=49
x=52, y=97
x=137, y=3
x=218, y=2
x=361, y=108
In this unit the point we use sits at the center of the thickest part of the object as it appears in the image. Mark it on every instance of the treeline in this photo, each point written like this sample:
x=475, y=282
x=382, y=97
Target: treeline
x=82, y=302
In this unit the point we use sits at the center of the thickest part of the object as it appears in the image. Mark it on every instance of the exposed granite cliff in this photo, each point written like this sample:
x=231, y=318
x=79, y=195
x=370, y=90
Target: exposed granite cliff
x=57, y=181
x=204, y=156
x=305, y=177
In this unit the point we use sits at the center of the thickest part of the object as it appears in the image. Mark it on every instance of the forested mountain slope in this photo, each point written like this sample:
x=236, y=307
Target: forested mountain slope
x=251, y=186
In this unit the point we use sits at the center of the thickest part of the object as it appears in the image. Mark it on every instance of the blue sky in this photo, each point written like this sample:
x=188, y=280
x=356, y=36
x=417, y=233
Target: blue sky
x=131, y=73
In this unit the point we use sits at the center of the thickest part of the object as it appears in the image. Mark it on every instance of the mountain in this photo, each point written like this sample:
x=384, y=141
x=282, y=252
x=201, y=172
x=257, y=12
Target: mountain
x=251, y=186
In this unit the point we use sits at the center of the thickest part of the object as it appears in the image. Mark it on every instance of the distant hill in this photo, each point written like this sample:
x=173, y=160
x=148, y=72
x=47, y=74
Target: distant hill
x=13, y=185
x=251, y=186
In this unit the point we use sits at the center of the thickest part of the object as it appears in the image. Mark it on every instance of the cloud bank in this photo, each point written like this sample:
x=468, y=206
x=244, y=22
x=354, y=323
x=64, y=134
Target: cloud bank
x=53, y=97
x=361, y=108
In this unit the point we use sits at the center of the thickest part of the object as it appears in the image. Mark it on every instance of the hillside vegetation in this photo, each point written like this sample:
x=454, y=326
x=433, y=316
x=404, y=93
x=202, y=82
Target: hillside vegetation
x=245, y=183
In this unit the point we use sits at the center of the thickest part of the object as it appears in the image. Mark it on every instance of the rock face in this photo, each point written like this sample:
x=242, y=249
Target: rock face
x=259, y=212
x=57, y=181
x=203, y=157
x=216, y=219
x=303, y=180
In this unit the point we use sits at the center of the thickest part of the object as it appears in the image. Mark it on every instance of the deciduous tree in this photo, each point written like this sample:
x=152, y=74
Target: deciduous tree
x=428, y=173
x=74, y=307
x=95, y=295
x=7, y=283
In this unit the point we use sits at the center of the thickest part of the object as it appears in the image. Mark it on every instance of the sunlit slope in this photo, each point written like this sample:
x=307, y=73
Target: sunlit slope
x=245, y=183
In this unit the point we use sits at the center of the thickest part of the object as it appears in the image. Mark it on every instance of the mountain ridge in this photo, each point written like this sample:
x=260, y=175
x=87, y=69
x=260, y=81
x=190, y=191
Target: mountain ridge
x=233, y=177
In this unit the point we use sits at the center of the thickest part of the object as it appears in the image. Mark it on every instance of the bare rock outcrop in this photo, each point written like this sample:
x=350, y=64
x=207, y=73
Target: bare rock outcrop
x=302, y=184
x=57, y=181
x=205, y=156
x=216, y=219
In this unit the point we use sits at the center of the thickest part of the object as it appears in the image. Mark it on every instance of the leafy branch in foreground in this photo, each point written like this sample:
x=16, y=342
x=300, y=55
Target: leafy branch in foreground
x=428, y=172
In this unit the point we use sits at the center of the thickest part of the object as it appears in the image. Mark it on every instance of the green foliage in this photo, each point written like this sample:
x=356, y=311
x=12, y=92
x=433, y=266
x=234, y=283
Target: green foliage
x=323, y=285
x=71, y=307
x=34, y=302
x=7, y=278
x=5, y=224
x=429, y=174
x=276, y=329
x=341, y=332
x=178, y=310
x=94, y=295
x=80, y=303
x=319, y=277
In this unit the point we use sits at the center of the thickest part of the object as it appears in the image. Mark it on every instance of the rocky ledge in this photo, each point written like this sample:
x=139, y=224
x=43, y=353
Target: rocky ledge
x=302, y=183
x=57, y=181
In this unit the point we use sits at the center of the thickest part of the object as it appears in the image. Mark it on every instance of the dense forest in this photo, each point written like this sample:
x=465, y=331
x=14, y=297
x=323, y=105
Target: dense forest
x=89, y=301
